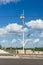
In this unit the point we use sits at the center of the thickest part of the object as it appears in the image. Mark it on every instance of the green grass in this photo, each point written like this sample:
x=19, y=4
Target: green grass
x=10, y=50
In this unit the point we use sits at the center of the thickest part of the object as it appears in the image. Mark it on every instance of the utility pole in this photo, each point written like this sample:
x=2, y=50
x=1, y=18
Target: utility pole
x=22, y=17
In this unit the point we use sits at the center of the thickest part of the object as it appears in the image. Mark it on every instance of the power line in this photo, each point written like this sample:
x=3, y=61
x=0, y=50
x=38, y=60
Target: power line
x=18, y=16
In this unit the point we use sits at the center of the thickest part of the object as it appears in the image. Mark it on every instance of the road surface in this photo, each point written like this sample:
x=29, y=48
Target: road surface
x=21, y=61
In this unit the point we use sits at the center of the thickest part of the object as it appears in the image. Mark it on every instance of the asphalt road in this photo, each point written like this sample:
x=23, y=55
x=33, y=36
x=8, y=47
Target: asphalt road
x=21, y=61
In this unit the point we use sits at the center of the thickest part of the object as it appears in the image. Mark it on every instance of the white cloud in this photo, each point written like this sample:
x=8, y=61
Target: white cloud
x=2, y=31
x=7, y=1
x=41, y=35
x=28, y=40
x=35, y=24
x=14, y=40
x=32, y=34
x=19, y=39
x=41, y=43
x=32, y=41
x=13, y=27
x=4, y=41
x=25, y=29
x=36, y=40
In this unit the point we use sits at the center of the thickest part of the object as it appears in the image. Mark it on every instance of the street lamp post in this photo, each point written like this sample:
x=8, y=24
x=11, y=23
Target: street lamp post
x=22, y=17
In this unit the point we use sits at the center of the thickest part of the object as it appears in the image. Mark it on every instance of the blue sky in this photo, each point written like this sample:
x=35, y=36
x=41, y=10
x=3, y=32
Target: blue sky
x=10, y=11
x=33, y=9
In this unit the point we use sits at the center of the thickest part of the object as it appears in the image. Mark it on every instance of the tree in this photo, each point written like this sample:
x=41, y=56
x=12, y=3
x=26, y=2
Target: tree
x=0, y=47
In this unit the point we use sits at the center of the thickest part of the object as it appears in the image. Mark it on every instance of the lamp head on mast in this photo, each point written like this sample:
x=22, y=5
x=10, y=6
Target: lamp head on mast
x=22, y=18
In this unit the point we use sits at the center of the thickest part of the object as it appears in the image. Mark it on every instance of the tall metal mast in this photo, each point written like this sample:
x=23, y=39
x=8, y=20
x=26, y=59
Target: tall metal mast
x=22, y=17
